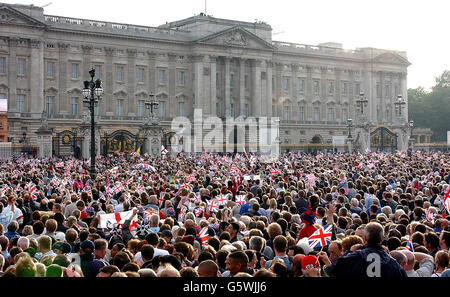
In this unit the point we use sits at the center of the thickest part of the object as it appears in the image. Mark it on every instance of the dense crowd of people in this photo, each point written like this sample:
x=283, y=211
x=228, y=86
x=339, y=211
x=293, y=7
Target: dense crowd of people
x=226, y=215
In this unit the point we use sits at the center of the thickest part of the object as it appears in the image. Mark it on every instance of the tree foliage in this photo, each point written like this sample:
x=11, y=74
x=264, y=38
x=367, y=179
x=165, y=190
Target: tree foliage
x=432, y=109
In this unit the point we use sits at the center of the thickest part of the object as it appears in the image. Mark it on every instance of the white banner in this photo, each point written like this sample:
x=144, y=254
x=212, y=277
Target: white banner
x=111, y=219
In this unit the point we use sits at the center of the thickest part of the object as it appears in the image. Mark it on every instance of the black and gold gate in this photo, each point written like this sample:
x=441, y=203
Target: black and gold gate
x=122, y=141
x=67, y=143
x=383, y=139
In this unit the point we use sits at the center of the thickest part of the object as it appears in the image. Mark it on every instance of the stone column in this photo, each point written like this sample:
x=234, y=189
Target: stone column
x=153, y=134
x=85, y=130
x=256, y=90
x=241, y=87
x=131, y=79
x=172, y=77
x=108, y=83
x=309, y=92
x=198, y=85
x=227, y=87
x=269, y=94
x=37, y=101
x=404, y=92
x=213, y=94
x=62, y=79
x=44, y=142
x=12, y=75
x=44, y=138
x=87, y=50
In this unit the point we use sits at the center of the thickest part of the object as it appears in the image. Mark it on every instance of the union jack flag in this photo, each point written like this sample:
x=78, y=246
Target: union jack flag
x=240, y=200
x=198, y=211
x=60, y=164
x=321, y=237
x=4, y=189
x=311, y=179
x=447, y=199
x=203, y=234
x=410, y=246
x=430, y=215
x=190, y=178
x=222, y=199
x=182, y=213
x=129, y=181
x=197, y=197
x=31, y=188
x=161, y=198
x=140, y=190
x=213, y=206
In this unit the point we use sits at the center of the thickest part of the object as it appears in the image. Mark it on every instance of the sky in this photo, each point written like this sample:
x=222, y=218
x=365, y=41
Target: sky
x=415, y=26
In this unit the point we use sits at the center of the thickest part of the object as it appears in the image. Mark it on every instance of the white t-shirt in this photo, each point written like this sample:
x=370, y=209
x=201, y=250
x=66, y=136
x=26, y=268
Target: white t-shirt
x=18, y=215
x=160, y=252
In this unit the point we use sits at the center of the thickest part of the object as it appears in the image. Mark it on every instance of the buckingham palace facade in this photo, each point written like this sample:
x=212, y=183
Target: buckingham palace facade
x=227, y=68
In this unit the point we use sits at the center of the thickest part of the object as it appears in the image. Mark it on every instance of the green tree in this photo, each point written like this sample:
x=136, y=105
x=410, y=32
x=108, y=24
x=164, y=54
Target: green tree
x=432, y=109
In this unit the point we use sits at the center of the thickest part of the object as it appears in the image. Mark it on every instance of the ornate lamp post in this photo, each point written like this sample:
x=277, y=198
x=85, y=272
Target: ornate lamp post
x=349, y=125
x=362, y=102
x=411, y=127
x=398, y=105
x=152, y=104
x=91, y=90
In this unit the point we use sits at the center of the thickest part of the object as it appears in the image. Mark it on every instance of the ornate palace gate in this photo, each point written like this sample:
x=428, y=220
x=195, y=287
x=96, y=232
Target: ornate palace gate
x=122, y=141
x=383, y=139
x=67, y=143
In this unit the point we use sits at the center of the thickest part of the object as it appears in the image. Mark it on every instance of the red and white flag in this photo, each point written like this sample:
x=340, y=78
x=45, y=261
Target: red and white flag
x=430, y=215
x=447, y=199
x=110, y=220
x=163, y=150
x=321, y=237
x=203, y=234
x=213, y=206
x=222, y=199
x=241, y=200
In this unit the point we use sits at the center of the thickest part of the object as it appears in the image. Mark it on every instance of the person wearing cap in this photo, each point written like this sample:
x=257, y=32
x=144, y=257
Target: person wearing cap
x=167, y=236
x=62, y=248
x=307, y=218
x=310, y=266
x=88, y=264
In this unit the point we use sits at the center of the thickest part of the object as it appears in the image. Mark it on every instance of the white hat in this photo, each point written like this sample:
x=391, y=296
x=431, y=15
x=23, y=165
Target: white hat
x=60, y=236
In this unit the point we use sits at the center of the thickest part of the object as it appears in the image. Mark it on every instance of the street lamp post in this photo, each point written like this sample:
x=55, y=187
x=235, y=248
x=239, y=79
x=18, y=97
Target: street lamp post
x=362, y=102
x=411, y=127
x=349, y=125
x=398, y=105
x=91, y=89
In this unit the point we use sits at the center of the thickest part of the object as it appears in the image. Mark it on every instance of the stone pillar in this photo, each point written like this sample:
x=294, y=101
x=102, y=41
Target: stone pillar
x=404, y=92
x=131, y=79
x=108, y=83
x=241, y=86
x=45, y=143
x=227, y=87
x=12, y=75
x=62, y=79
x=85, y=130
x=269, y=93
x=36, y=100
x=153, y=134
x=172, y=77
x=213, y=93
x=44, y=138
x=256, y=90
x=198, y=86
